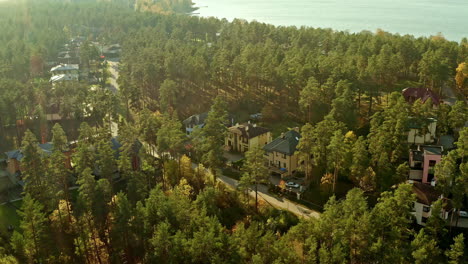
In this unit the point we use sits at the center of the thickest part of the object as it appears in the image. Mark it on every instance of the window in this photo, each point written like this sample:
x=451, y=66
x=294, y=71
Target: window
x=284, y=156
x=284, y=165
x=424, y=219
x=426, y=209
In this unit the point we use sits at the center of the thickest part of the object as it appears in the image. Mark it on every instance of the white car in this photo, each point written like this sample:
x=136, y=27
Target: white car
x=292, y=184
x=463, y=213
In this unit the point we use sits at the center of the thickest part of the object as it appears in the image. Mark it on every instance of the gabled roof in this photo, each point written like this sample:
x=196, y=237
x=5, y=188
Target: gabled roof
x=418, y=154
x=63, y=77
x=432, y=150
x=286, y=145
x=195, y=120
x=46, y=148
x=65, y=67
x=411, y=94
x=425, y=193
x=248, y=130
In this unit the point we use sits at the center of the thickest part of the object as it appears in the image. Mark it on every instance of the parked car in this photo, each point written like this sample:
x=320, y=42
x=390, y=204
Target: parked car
x=256, y=116
x=463, y=213
x=292, y=184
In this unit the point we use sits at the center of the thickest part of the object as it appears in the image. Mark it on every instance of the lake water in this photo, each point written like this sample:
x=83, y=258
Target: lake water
x=416, y=17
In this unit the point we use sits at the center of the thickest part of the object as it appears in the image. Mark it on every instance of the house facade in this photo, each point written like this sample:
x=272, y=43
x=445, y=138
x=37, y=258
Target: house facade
x=14, y=157
x=281, y=153
x=422, y=162
x=65, y=72
x=422, y=133
x=426, y=195
x=243, y=137
x=195, y=121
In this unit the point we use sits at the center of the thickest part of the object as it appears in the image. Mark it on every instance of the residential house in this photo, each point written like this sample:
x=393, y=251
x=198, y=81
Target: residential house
x=412, y=94
x=422, y=162
x=65, y=72
x=281, y=153
x=14, y=157
x=68, y=57
x=243, y=137
x=134, y=151
x=422, y=133
x=111, y=51
x=6, y=180
x=426, y=195
x=195, y=121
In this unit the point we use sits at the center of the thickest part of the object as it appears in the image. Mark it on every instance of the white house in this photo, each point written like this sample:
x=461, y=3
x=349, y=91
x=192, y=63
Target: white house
x=65, y=72
x=415, y=135
x=426, y=195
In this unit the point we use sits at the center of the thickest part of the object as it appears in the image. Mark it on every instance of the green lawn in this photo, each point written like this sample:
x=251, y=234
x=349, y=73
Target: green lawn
x=8, y=216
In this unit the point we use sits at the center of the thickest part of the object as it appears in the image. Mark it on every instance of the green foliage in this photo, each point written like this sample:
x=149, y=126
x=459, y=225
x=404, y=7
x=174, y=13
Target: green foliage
x=425, y=249
x=209, y=140
x=456, y=251
x=181, y=63
x=30, y=244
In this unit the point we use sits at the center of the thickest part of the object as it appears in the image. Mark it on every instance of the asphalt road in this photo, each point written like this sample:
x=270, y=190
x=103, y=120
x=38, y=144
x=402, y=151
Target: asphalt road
x=114, y=87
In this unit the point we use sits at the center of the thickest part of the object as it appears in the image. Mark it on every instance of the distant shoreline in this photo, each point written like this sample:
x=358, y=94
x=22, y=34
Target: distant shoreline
x=354, y=17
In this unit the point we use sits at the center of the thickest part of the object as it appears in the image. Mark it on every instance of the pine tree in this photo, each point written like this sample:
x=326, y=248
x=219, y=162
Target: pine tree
x=336, y=154
x=435, y=226
x=210, y=140
x=33, y=227
x=425, y=249
x=255, y=171
x=360, y=159
x=304, y=150
x=458, y=115
x=457, y=250
x=33, y=168
x=106, y=162
x=391, y=219
x=308, y=96
x=58, y=171
x=85, y=152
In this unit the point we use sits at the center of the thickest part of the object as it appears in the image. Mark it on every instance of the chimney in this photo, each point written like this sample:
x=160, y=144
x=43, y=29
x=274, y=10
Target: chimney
x=282, y=135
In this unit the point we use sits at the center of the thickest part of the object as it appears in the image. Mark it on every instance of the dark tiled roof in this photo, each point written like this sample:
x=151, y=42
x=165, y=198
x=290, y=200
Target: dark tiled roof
x=14, y=154
x=286, y=145
x=195, y=120
x=411, y=94
x=249, y=130
x=46, y=148
x=432, y=150
x=425, y=193
x=447, y=142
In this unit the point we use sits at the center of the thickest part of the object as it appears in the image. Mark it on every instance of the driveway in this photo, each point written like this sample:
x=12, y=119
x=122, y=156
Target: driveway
x=114, y=75
x=280, y=203
x=113, y=87
x=232, y=157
